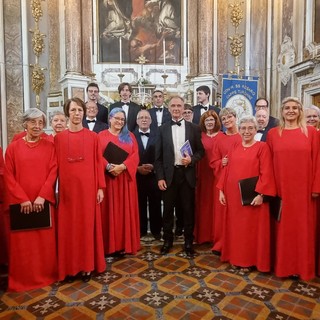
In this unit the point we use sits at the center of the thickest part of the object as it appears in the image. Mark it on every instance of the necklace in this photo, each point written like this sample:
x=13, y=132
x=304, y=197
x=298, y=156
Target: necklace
x=32, y=144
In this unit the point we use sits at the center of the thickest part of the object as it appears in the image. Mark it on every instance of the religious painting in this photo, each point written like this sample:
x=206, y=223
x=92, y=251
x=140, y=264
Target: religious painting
x=130, y=29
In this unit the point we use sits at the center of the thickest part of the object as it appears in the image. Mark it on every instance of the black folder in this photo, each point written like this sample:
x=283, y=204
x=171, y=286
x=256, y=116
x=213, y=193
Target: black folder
x=247, y=190
x=275, y=207
x=114, y=154
x=34, y=220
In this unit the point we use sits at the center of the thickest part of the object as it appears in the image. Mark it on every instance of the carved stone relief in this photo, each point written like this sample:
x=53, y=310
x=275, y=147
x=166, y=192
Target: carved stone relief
x=286, y=60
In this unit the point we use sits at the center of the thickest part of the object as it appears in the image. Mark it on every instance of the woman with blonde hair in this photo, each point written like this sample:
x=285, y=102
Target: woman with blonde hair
x=295, y=147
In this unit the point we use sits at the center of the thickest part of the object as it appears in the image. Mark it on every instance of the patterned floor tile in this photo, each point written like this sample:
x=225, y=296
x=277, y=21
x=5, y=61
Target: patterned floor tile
x=46, y=306
x=152, y=274
x=224, y=282
x=107, y=277
x=129, y=266
x=178, y=284
x=209, y=261
x=102, y=303
x=196, y=272
x=156, y=299
x=76, y=313
x=257, y=292
x=305, y=289
x=171, y=264
x=131, y=311
x=208, y=295
x=149, y=256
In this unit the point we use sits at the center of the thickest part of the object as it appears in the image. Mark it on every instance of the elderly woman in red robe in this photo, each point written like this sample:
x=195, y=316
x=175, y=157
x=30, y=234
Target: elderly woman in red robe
x=81, y=184
x=120, y=211
x=206, y=192
x=295, y=151
x=246, y=238
x=30, y=175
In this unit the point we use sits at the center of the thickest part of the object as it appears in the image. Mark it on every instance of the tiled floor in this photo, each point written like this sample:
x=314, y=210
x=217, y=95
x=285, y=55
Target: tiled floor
x=151, y=286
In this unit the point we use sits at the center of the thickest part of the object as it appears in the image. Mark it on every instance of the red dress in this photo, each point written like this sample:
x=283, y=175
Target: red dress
x=3, y=230
x=206, y=192
x=246, y=238
x=295, y=160
x=120, y=211
x=222, y=147
x=80, y=243
x=29, y=173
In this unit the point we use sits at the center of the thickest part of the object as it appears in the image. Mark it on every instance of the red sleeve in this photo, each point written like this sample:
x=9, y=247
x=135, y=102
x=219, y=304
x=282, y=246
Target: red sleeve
x=132, y=160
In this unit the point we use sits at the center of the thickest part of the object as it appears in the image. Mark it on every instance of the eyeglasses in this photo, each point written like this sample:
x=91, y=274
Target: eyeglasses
x=119, y=119
x=250, y=129
x=228, y=117
x=187, y=112
x=210, y=120
x=312, y=116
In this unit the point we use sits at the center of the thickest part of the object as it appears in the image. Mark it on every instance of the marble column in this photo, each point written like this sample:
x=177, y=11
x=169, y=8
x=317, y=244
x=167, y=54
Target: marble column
x=205, y=37
x=87, y=43
x=73, y=36
x=193, y=37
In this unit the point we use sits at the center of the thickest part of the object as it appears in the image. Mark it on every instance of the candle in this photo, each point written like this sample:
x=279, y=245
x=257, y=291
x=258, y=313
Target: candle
x=188, y=52
x=120, y=53
x=164, y=55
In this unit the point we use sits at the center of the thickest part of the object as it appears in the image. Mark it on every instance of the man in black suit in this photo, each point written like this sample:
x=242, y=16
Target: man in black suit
x=263, y=104
x=91, y=122
x=176, y=174
x=147, y=184
x=203, y=95
x=130, y=108
x=93, y=95
x=159, y=113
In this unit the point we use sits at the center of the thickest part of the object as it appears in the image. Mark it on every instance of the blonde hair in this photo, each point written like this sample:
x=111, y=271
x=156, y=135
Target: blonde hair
x=301, y=119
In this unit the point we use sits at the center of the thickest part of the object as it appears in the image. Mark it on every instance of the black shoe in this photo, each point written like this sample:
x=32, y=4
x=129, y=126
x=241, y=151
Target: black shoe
x=157, y=236
x=70, y=279
x=178, y=232
x=216, y=253
x=188, y=248
x=86, y=277
x=166, y=247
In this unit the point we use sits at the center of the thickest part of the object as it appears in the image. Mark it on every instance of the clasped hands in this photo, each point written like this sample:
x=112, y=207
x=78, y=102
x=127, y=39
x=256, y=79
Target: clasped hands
x=36, y=206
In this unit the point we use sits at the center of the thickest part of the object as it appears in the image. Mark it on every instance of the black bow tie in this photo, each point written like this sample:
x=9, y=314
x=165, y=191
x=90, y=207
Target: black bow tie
x=178, y=123
x=91, y=121
x=124, y=104
x=261, y=131
x=204, y=107
x=147, y=134
x=159, y=109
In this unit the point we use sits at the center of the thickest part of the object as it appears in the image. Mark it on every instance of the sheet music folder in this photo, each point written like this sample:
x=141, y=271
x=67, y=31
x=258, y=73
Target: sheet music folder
x=34, y=220
x=186, y=149
x=114, y=154
x=247, y=190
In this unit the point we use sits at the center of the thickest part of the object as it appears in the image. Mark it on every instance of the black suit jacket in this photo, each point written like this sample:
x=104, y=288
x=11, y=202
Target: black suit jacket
x=273, y=122
x=197, y=112
x=98, y=126
x=132, y=113
x=165, y=117
x=102, y=113
x=164, y=164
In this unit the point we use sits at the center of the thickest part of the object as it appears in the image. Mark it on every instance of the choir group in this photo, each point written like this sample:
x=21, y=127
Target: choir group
x=105, y=186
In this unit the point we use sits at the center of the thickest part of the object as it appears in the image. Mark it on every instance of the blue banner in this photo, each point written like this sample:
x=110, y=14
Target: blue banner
x=239, y=93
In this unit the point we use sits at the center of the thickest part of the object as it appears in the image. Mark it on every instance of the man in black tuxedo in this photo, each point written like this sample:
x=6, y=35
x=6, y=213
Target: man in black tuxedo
x=203, y=95
x=176, y=174
x=263, y=104
x=93, y=95
x=90, y=121
x=262, y=117
x=159, y=113
x=130, y=108
x=147, y=184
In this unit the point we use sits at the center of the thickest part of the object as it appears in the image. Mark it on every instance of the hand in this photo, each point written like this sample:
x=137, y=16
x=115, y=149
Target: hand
x=222, y=198
x=257, y=200
x=148, y=166
x=100, y=196
x=117, y=169
x=224, y=161
x=26, y=207
x=38, y=204
x=315, y=195
x=186, y=160
x=162, y=185
x=144, y=170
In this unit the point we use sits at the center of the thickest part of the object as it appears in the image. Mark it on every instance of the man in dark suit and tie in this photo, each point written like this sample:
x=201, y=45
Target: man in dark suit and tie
x=130, y=108
x=263, y=104
x=159, y=113
x=93, y=95
x=176, y=173
x=147, y=184
x=203, y=95
x=90, y=121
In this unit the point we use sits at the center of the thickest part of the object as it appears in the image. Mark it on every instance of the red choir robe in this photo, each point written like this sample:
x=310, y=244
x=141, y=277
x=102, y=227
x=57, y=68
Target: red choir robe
x=206, y=192
x=3, y=230
x=29, y=173
x=120, y=211
x=295, y=161
x=222, y=147
x=22, y=134
x=246, y=238
x=80, y=243
x=318, y=227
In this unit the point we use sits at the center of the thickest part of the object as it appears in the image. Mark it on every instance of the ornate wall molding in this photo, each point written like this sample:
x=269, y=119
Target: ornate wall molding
x=286, y=59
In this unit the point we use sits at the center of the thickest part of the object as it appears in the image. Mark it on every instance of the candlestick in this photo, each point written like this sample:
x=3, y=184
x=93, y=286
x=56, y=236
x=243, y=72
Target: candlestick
x=120, y=53
x=164, y=55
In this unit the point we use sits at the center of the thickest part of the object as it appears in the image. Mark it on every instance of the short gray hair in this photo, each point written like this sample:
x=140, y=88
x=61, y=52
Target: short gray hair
x=33, y=113
x=246, y=119
x=315, y=108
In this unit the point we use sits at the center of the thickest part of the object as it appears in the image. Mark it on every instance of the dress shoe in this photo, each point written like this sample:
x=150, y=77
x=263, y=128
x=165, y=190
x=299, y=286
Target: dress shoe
x=70, y=279
x=188, y=248
x=86, y=276
x=166, y=247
